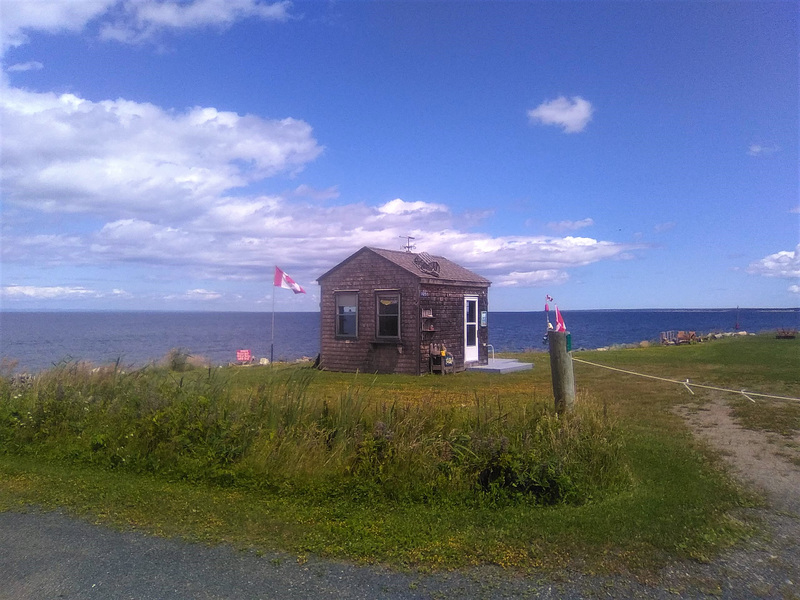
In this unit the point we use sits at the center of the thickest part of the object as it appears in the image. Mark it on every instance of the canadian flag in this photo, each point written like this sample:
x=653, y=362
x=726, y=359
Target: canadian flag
x=560, y=325
x=284, y=281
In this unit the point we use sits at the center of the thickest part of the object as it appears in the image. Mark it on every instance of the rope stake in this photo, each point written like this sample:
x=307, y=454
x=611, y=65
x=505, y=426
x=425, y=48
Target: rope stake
x=746, y=396
x=687, y=384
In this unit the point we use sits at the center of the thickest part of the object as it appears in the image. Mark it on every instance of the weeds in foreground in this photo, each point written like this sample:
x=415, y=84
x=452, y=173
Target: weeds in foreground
x=190, y=427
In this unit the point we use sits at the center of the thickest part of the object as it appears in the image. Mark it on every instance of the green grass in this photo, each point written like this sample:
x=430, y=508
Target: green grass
x=754, y=363
x=759, y=363
x=776, y=417
x=245, y=456
x=280, y=436
x=636, y=530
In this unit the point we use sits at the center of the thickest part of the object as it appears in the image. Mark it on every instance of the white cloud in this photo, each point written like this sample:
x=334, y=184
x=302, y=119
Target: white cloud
x=117, y=157
x=307, y=191
x=32, y=65
x=781, y=264
x=201, y=294
x=133, y=183
x=570, y=225
x=237, y=238
x=531, y=278
x=52, y=16
x=51, y=292
x=129, y=21
x=140, y=21
x=784, y=265
x=573, y=115
x=43, y=249
x=523, y=261
x=401, y=207
x=795, y=289
x=795, y=210
x=504, y=255
x=762, y=150
x=138, y=241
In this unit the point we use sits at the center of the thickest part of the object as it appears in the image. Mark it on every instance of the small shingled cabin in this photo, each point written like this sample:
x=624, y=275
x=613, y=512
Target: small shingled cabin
x=386, y=311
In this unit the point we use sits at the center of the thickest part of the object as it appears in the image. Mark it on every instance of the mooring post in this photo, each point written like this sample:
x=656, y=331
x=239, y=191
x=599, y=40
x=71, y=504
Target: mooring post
x=561, y=371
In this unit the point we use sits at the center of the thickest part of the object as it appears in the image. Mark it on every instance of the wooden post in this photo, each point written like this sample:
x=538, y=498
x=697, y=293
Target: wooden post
x=561, y=371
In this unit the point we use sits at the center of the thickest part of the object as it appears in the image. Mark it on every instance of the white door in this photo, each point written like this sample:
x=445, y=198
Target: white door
x=470, y=329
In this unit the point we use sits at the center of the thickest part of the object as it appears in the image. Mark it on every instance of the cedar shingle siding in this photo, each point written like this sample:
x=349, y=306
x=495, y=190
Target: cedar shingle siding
x=425, y=285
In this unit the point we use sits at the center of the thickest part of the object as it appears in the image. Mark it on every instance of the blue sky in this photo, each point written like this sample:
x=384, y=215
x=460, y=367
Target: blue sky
x=168, y=154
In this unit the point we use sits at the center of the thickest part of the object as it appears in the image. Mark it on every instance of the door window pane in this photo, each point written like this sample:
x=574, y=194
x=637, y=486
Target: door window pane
x=472, y=335
x=472, y=311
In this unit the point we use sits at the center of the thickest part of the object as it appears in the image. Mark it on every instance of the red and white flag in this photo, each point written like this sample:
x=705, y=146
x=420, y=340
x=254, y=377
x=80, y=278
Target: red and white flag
x=284, y=281
x=560, y=325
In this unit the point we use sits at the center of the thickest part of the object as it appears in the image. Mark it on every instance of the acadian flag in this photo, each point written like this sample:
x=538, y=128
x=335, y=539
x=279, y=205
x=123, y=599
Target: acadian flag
x=547, y=300
x=284, y=281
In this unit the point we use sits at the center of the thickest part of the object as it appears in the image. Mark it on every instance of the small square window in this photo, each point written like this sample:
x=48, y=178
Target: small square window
x=347, y=314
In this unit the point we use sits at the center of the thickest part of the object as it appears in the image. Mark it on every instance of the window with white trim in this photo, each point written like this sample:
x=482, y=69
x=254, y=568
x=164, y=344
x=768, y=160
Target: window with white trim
x=347, y=314
x=388, y=315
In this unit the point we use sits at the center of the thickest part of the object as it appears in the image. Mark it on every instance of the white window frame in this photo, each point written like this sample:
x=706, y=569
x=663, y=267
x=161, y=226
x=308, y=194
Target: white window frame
x=338, y=315
x=393, y=295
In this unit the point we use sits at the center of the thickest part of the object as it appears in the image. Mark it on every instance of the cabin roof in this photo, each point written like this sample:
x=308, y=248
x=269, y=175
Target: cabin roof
x=422, y=265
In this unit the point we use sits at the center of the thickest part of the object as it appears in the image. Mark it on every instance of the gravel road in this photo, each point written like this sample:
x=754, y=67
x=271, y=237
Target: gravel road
x=49, y=555
x=53, y=556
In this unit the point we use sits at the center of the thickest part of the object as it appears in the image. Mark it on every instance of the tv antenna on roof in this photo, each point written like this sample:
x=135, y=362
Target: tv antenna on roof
x=409, y=246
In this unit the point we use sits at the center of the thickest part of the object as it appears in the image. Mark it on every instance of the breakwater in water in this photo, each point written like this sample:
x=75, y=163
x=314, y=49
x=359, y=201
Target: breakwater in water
x=37, y=340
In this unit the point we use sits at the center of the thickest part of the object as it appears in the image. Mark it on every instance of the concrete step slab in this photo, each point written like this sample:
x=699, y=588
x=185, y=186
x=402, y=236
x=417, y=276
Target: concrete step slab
x=501, y=365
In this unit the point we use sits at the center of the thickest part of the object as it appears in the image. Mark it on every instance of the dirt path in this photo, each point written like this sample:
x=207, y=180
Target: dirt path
x=769, y=566
x=759, y=458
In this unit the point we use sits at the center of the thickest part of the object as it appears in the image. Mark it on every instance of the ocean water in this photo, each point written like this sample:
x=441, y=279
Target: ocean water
x=515, y=332
x=38, y=340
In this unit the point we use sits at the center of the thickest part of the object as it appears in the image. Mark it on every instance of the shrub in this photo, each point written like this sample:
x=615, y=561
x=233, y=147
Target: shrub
x=279, y=437
x=177, y=359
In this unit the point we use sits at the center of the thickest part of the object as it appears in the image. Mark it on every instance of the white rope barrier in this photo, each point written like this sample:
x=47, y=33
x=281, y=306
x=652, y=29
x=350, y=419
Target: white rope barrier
x=687, y=384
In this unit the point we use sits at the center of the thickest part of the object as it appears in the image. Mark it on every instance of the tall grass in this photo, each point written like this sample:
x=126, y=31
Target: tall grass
x=362, y=443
